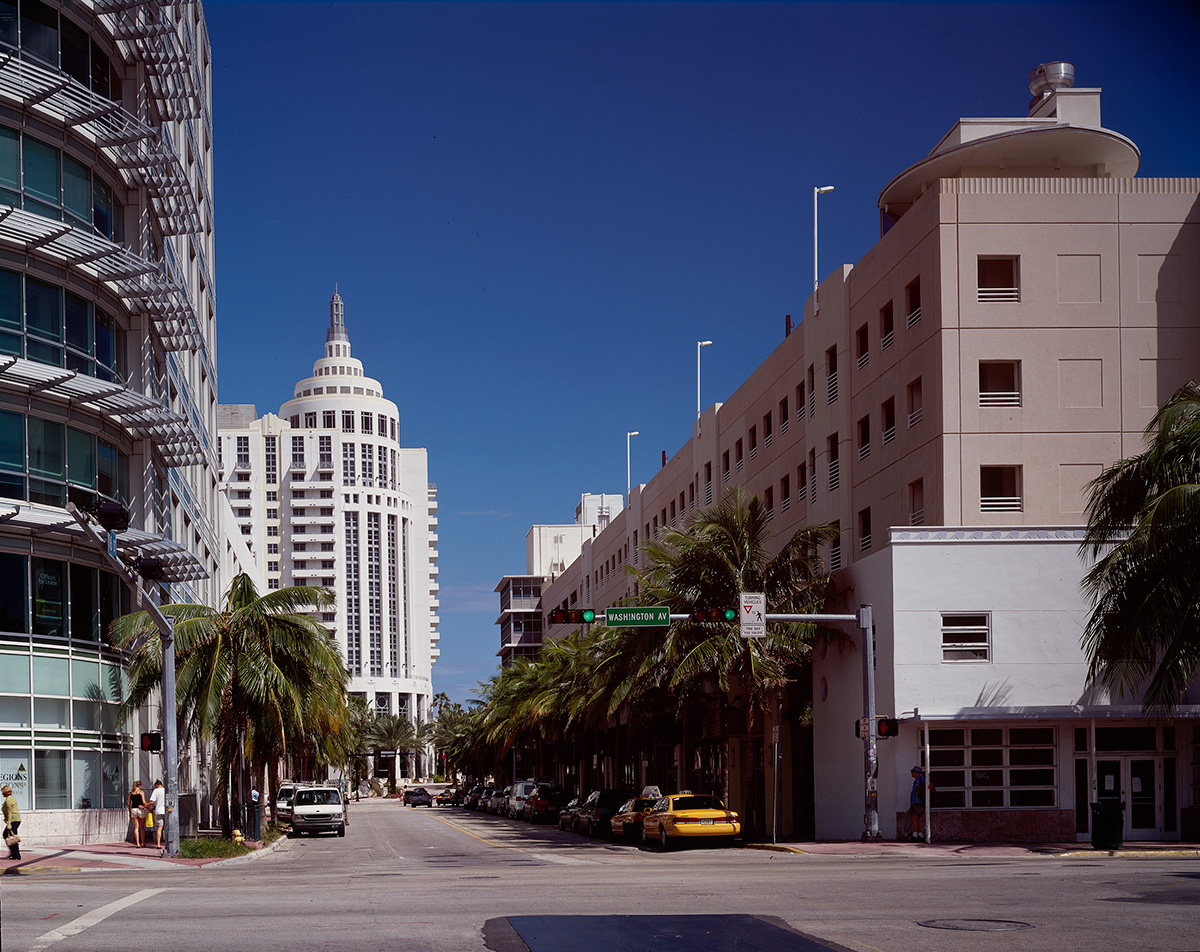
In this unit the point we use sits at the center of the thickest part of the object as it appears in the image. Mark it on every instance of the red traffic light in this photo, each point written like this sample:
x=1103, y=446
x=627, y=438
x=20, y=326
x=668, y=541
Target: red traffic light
x=152, y=741
x=887, y=727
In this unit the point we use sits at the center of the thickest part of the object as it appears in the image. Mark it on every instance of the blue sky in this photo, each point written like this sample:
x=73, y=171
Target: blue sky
x=533, y=211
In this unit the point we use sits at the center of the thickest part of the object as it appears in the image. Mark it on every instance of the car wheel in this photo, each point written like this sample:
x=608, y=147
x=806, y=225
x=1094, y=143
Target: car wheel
x=342, y=830
x=663, y=841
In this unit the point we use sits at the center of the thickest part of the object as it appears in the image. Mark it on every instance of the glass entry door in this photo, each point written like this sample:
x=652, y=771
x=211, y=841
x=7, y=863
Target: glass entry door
x=1133, y=780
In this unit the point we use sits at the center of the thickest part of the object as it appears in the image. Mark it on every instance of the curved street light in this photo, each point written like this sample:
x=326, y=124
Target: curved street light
x=819, y=190
x=699, y=344
x=627, y=483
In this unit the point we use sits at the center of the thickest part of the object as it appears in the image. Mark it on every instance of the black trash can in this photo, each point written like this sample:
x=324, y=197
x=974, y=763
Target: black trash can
x=1108, y=825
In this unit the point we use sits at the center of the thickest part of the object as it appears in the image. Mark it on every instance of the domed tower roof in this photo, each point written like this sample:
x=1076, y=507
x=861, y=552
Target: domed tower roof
x=337, y=320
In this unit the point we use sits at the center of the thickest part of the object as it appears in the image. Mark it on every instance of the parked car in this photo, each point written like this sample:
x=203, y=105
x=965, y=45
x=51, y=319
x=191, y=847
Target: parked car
x=596, y=813
x=626, y=823
x=471, y=798
x=515, y=806
x=568, y=816
x=497, y=800
x=685, y=816
x=448, y=797
x=418, y=797
x=544, y=803
x=283, y=802
x=480, y=797
x=318, y=809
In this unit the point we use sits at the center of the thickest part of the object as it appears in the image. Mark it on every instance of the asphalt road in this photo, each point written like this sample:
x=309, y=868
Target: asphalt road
x=446, y=879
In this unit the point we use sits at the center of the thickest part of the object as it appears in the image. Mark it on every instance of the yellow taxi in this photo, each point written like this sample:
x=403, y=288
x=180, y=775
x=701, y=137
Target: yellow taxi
x=686, y=816
x=627, y=821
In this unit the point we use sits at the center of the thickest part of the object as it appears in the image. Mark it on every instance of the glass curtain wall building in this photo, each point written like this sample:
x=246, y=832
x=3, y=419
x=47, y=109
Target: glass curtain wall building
x=107, y=381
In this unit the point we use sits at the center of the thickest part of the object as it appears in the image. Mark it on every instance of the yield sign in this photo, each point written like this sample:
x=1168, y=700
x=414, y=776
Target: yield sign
x=752, y=614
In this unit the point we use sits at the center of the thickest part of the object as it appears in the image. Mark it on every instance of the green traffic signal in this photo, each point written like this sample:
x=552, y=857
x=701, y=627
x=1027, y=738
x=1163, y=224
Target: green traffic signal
x=714, y=614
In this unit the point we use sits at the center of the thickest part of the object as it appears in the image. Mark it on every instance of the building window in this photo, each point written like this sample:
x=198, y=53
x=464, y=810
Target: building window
x=1000, y=489
x=992, y=767
x=916, y=503
x=271, y=460
x=966, y=637
x=999, y=279
x=783, y=415
x=862, y=351
x=812, y=390
x=864, y=437
x=916, y=403
x=888, y=410
x=831, y=381
x=325, y=452
x=737, y=455
x=835, y=477
x=785, y=493
x=835, y=549
x=297, y=452
x=347, y=421
x=999, y=383
x=754, y=442
x=328, y=419
x=799, y=401
x=801, y=482
x=912, y=295
x=769, y=501
x=348, y=464
x=864, y=529
x=310, y=420
x=368, y=421
x=887, y=326
x=767, y=433
x=812, y=468
x=243, y=452
x=725, y=466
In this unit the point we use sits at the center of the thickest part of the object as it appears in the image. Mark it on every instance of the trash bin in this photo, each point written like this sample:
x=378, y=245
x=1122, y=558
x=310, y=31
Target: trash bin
x=1108, y=825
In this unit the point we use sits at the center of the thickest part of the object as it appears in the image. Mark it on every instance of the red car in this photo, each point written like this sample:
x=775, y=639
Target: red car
x=545, y=803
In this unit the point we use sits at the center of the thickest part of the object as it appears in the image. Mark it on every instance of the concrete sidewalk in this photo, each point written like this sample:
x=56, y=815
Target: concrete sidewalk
x=97, y=857
x=126, y=856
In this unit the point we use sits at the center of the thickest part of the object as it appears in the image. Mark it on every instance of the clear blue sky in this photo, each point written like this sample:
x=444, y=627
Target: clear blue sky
x=533, y=211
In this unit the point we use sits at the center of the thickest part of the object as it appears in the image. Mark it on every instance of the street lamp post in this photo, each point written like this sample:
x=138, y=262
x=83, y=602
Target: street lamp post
x=699, y=344
x=167, y=635
x=627, y=480
x=819, y=190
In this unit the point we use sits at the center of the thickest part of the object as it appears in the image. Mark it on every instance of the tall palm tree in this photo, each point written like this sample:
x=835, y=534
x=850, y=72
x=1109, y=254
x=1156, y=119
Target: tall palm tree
x=722, y=551
x=1143, y=534
x=253, y=676
x=391, y=732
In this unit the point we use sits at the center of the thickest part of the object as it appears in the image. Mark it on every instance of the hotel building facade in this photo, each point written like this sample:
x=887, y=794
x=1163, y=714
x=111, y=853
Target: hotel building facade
x=945, y=402
x=324, y=494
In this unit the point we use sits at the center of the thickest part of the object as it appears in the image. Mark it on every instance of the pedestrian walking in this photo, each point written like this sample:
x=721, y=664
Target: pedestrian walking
x=158, y=810
x=137, y=810
x=12, y=820
x=254, y=814
x=916, y=801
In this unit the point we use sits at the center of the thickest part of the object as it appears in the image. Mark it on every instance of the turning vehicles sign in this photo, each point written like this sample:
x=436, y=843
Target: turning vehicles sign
x=752, y=608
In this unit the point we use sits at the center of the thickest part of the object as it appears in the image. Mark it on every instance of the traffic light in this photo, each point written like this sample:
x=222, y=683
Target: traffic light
x=887, y=727
x=152, y=741
x=714, y=614
x=571, y=616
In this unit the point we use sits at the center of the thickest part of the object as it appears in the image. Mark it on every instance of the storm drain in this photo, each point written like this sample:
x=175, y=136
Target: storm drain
x=976, y=925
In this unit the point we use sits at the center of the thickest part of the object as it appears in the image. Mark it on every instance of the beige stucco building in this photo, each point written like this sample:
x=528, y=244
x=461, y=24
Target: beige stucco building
x=1029, y=305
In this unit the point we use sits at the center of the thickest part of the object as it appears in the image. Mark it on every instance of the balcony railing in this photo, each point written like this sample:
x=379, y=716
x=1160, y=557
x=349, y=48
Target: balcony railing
x=1000, y=504
x=864, y=451
x=864, y=543
x=914, y=317
x=888, y=435
x=831, y=388
x=994, y=295
x=1000, y=398
x=835, y=477
x=863, y=359
x=887, y=340
x=916, y=416
x=916, y=518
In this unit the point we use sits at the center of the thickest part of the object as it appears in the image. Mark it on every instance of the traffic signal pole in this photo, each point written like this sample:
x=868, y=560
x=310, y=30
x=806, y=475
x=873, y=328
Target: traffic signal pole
x=167, y=635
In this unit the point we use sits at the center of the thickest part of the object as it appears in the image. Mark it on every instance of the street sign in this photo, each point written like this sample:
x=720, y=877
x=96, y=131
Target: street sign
x=657, y=616
x=753, y=614
x=112, y=543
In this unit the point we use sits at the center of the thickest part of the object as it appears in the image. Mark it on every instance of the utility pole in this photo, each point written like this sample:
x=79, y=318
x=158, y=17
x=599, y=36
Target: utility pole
x=108, y=550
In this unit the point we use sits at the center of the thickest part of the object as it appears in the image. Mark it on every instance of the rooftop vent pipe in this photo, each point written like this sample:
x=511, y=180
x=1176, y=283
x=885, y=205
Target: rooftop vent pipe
x=1044, y=79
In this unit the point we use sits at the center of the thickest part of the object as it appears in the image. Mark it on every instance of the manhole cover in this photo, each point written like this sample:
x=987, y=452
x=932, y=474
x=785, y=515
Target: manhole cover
x=976, y=925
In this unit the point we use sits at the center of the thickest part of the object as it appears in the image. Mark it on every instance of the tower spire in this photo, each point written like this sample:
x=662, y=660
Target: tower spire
x=337, y=319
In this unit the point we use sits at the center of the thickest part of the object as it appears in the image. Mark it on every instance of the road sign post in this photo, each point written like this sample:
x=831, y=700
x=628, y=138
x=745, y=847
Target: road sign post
x=752, y=617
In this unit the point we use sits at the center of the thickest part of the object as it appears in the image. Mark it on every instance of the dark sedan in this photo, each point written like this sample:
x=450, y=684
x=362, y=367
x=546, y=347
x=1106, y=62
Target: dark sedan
x=418, y=797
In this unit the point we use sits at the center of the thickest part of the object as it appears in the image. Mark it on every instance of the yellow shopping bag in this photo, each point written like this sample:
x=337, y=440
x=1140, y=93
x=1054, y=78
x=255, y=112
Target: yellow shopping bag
x=149, y=821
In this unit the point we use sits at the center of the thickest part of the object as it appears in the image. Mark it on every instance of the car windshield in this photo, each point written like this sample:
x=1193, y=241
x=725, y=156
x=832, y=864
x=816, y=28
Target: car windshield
x=316, y=797
x=697, y=802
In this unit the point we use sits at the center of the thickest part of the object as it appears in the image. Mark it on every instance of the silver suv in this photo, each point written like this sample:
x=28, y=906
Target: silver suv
x=516, y=798
x=318, y=810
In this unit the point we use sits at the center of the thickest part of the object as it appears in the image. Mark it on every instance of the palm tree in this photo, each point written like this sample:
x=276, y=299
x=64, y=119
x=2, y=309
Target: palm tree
x=1143, y=535
x=391, y=732
x=254, y=676
x=721, y=552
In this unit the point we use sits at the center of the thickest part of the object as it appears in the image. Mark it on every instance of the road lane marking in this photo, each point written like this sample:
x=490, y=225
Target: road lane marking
x=87, y=920
x=545, y=857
